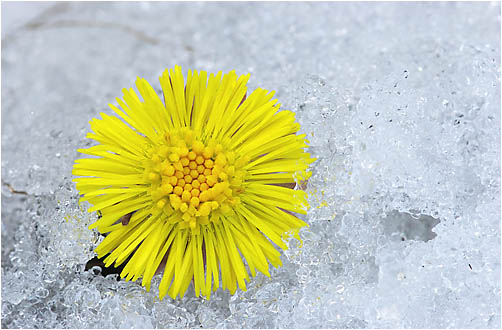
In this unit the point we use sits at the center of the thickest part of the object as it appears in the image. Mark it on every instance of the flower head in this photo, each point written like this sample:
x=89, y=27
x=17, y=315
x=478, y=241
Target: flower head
x=201, y=174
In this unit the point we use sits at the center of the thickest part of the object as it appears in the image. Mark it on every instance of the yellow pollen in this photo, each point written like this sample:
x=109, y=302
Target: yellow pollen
x=175, y=201
x=178, y=190
x=211, y=180
x=185, y=197
x=208, y=152
x=192, y=155
x=186, y=217
x=204, y=209
x=167, y=189
x=194, y=201
x=208, y=163
x=190, y=180
x=218, y=188
x=221, y=160
x=169, y=170
x=184, y=207
x=192, y=210
x=183, y=152
x=178, y=166
x=204, y=196
x=199, y=160
x=216, y=170
x=198, y=147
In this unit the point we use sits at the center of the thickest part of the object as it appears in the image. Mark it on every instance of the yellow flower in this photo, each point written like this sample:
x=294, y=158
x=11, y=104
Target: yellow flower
x=202, y=175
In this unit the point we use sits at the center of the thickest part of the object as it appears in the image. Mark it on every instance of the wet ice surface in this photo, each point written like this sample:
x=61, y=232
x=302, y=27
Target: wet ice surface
x=401, y=103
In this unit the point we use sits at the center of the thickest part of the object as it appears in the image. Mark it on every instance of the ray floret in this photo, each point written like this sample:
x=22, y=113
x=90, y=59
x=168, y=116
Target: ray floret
x=202, y=169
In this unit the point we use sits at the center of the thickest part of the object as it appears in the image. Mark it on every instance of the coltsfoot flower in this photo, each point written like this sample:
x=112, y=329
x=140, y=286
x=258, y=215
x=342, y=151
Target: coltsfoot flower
x=203, y=174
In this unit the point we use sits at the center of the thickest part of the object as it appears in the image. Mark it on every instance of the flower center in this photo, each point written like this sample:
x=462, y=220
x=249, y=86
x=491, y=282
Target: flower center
x=191, y=181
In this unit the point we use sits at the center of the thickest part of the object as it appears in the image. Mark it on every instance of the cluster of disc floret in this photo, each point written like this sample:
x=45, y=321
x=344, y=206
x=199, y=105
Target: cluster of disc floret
x=192, y=182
